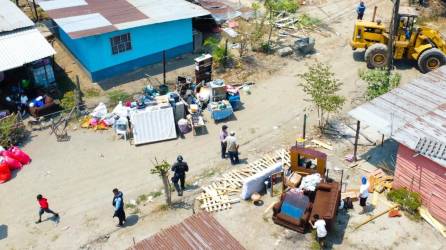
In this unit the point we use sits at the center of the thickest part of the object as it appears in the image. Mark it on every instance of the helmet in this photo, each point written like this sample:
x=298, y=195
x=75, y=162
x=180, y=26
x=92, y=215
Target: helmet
x=180, y=158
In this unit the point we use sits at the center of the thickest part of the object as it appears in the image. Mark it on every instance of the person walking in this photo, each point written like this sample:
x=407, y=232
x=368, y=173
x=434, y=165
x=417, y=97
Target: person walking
x=232, y=145
x=44, y=208
x=360, y=10
x=118, y=204
x=363, y=194
x=179, y=168
x=321, y=231
x=223, y=135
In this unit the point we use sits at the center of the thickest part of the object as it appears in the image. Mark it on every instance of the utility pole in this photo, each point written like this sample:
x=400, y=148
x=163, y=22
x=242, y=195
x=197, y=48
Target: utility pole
x=392, y=29
x=164, y=67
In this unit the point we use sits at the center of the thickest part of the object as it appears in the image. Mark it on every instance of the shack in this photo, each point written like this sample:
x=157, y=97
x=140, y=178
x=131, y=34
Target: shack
x=25, y=59
x=415, y=116
x=120, y=36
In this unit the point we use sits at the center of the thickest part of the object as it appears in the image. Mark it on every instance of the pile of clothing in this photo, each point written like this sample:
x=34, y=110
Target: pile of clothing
x=11, y=159
x=310, y=182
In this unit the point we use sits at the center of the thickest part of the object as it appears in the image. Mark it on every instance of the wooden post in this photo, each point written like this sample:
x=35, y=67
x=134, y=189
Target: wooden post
x=355, y=150
x=35, y=10
x=393, y=26
x=304, y=129
x=164, y=66
x=78, y=96
x=374, y=13
x=382, y=141
x=226, y=53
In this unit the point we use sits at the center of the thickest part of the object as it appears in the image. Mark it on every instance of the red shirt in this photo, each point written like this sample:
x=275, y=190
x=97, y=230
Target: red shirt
x=43, y=203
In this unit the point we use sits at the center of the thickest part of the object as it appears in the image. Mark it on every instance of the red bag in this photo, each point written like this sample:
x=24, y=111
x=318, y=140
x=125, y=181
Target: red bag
x=11, y=162
x=19, y=155
x=5, y=173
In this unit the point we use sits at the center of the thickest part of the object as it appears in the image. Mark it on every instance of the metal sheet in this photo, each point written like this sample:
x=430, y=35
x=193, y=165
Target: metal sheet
x=199, y=231
x=121, y=14
x=19, y=48
x=153, y=124
x=59, y=4
x=11, y=17
x=411, y=112
x=83, y=22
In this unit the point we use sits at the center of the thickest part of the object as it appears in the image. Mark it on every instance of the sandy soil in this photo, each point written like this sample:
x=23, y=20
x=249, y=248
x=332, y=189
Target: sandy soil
x=78, y=176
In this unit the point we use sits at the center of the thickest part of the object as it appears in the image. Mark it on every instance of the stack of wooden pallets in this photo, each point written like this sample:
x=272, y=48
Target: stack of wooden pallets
x=380, y=181
x=220, y=194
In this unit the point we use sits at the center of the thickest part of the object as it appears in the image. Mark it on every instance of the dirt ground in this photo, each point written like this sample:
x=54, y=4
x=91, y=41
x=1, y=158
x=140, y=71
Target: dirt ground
x=78, y=176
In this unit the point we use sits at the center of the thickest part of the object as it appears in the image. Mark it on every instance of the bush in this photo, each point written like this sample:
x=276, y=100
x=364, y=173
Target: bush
x=92, y=92
x=115, y=96
x=379, y=82
x=11, y=131
x=409, y=201
x=68, y=100
x=217, y=50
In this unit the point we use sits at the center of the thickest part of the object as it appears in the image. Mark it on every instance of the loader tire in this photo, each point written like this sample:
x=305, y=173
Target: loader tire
x=376, y=56
x=431, y=59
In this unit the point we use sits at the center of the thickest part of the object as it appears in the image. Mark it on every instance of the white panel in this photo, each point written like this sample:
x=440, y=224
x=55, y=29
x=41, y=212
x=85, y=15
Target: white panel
x=83, y=22
x=58, y=4
x=19, y=48
x=11, y=17
x=153, y=125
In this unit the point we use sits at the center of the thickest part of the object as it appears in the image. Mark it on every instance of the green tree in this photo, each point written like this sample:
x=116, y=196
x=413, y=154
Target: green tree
x=162, y=169
x=220, y=54
x=379, y=82
x=321, y=85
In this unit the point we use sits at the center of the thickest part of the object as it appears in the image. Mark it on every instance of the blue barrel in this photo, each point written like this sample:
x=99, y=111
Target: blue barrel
x=234, y=100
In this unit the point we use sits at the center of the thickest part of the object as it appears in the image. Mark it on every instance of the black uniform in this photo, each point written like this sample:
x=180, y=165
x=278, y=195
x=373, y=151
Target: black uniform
x=119, y=210
x=180, y=168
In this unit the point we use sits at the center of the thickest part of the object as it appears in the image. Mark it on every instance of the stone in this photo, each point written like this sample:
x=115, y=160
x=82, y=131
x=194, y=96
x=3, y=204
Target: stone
x=286, y=51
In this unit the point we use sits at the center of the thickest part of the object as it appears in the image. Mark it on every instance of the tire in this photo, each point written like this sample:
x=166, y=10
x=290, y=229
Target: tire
x=431, y=59
x=376, y=56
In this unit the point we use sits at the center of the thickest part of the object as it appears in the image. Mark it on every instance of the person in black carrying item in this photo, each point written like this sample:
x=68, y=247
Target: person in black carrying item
x=118, y=204
x=179, y=168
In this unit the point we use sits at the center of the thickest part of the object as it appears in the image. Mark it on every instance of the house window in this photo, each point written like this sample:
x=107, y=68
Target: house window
x=120, y=43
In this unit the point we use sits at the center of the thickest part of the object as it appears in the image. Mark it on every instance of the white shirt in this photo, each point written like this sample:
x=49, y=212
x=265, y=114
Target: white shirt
x=320, y=228
x=364, y=190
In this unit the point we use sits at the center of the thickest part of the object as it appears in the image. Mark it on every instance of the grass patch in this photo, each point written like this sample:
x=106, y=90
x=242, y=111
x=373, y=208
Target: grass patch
x=208, y=173
x=92, y=92
x=141, y=199
x=408, y=201
x=161, y=208
x=155, y=194
x=314, y=244
x=68, y=100
x=308, y=21
x=130, y=206
x=115, y=96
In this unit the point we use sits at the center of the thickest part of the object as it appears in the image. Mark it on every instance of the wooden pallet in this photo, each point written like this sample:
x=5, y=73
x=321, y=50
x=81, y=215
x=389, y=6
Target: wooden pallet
x=218, y=195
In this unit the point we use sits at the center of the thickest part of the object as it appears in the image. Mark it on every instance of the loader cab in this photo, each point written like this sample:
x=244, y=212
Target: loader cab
x=405, y=32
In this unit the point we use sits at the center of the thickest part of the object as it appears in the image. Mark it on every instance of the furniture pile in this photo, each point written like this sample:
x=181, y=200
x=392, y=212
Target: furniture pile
x=220, y=194
x=380, y=181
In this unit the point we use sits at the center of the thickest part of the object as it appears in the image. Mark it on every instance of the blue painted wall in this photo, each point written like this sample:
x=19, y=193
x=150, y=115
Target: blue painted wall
x=148, y=42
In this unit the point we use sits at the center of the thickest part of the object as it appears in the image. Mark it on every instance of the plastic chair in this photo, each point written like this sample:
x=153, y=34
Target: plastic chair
x=121, y=127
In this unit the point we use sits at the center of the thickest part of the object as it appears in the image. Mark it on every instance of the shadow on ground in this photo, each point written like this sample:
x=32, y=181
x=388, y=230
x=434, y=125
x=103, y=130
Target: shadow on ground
x=131, y=220
x=336, y=236
x=3, y=232
x=151, y=70
x=383, y=156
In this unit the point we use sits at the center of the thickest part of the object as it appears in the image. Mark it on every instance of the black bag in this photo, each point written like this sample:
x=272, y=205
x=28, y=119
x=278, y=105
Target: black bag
x=348, y=203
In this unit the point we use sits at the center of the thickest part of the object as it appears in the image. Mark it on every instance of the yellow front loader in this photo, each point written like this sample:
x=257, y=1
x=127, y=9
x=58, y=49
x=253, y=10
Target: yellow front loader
x=422, y=44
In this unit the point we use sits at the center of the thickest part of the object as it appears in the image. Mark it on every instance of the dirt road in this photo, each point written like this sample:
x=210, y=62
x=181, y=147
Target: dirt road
x=78, y=176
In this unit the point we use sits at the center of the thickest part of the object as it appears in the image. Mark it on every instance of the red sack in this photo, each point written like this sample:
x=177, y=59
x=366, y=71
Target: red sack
x=11, y=162
x=19, y=155
x=5, y=173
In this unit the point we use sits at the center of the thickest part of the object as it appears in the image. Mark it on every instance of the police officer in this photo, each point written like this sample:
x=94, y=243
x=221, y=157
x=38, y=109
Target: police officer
x=179, y=168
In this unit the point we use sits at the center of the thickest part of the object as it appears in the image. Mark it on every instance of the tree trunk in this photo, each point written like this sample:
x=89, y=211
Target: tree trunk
x=167, y=189
x=270, y=30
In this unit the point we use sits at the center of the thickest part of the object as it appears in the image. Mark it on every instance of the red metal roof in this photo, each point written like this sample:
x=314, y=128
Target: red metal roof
x=200, y=231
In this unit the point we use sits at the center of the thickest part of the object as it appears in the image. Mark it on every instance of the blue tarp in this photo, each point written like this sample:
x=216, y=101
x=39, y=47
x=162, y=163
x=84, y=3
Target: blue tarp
x=221, y=114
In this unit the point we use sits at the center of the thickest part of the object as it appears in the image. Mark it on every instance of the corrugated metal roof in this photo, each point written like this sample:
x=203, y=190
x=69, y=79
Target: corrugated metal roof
x=11, y=17
x=409, y=113
x=200, y=231
x=122, y=14
x=82, y=22
x=21, y=47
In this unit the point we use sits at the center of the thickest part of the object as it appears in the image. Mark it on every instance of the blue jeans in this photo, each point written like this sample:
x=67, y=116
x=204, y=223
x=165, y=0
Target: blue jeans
x=233, y=156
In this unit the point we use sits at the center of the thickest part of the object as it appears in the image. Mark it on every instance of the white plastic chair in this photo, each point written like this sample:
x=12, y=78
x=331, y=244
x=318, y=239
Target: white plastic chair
x=121, y=127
